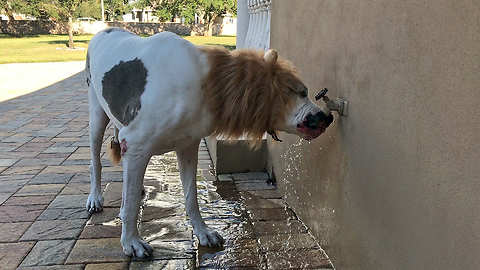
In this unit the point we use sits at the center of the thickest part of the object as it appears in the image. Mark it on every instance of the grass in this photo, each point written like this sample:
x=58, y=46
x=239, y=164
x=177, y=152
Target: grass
x=226, y=41
x=53, y=48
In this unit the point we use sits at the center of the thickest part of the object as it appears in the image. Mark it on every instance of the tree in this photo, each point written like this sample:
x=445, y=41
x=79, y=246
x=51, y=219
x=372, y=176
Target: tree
x=209, y=10
x=89, y=9
x=29, y=7
x=115, y=8
x=63, y=11
x=9, y=7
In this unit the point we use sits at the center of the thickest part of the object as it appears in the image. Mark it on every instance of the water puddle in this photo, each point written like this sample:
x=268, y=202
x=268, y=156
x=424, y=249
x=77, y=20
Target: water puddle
x=259, y=229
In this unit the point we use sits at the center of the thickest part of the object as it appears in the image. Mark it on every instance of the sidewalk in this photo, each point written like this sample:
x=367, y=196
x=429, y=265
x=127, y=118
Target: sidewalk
x=44, y=183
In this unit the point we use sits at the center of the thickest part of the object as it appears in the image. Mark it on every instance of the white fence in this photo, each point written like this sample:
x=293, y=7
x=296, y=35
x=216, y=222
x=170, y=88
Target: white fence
x=253, y=24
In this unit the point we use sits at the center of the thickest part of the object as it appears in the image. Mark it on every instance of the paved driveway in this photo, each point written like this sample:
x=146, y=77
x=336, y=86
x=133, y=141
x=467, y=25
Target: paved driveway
x=20, y=79
x=44, y=183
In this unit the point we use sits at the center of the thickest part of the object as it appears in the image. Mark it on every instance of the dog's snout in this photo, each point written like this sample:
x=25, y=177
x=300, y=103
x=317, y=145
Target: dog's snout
x=309, y=117
x=314, y=121
x=311, y=121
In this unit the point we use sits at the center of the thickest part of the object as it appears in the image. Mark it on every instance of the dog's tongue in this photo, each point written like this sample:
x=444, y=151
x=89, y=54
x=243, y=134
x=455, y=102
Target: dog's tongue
x=314, y=133
x=303, y=128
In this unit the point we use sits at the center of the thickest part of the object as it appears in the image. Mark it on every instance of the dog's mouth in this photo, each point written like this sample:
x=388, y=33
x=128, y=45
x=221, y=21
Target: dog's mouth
x=310, y=133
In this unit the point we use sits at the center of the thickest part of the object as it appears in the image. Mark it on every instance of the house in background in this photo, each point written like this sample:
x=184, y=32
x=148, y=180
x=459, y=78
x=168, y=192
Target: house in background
x=17, y=17
x=226, y=23
x=140, y=15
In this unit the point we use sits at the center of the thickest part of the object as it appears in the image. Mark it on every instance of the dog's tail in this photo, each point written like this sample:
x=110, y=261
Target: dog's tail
x=114, y=150
x=88, y=76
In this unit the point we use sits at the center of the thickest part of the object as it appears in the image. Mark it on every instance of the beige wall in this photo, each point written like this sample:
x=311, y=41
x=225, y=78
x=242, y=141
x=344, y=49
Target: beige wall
x=396, y=184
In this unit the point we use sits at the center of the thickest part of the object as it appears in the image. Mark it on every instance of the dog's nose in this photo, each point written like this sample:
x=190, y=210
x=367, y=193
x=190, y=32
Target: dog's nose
x=312, y=121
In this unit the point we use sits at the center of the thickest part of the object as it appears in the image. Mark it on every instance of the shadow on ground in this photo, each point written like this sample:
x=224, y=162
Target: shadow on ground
x=65, y=42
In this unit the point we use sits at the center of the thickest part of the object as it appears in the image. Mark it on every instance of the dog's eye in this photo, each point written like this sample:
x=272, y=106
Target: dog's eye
x=304, y=94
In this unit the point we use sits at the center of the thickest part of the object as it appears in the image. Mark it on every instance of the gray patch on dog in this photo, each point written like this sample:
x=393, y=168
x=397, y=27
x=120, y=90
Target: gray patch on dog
x=123, y=85
x=113, y=29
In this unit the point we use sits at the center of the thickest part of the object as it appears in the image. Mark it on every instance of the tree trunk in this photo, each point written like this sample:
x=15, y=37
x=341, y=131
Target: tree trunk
x=207, y=32
x=70, y=33
x=208, y=28
x=11, y=22
x=9, y=13
x=12, y=26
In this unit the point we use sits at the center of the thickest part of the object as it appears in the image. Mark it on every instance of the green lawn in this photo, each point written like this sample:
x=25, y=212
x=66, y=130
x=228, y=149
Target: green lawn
x=53, y=48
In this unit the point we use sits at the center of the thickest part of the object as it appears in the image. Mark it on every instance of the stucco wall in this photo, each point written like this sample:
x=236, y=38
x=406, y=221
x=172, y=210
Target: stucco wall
x=396, y=184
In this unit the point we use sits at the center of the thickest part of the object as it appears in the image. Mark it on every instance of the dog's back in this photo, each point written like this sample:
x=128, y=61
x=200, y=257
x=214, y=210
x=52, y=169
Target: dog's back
x=158, y=78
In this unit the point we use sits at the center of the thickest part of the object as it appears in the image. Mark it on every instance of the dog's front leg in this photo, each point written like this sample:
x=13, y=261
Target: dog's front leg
x=133, y=172
x=187, y=165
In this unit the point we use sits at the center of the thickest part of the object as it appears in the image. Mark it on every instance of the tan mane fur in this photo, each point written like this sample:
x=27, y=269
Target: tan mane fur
x=247, y=95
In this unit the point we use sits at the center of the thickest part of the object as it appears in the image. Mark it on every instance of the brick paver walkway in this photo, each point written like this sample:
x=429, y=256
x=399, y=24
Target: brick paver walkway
x=44, y=183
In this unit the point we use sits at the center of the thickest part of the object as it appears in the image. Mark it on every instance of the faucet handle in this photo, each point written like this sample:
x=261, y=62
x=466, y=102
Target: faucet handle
x=321, y=94
x=340, y=106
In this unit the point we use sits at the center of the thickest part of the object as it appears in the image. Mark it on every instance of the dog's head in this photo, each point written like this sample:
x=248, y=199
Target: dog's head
x=250, y=93
x=301, y=116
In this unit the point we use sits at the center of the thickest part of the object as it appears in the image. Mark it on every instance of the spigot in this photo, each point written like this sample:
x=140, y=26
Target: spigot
x=340, y=106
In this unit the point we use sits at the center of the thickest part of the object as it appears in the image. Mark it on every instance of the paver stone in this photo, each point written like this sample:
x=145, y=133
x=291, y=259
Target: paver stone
x=30, y=200
x=18, y=213
x=112, y=230
x=11, y=232
x=48, y=253
x=64, y=214
x=54, y=229
x=14, y=254
x=56, y=178
x=298, y=259
x=184, y=264
x=97, y=251
x=69, y=201
x=286, y=242
x=44, y=189
x=107, y=266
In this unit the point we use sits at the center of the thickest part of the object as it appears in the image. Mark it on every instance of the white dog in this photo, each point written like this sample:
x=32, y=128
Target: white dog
x=163, y=94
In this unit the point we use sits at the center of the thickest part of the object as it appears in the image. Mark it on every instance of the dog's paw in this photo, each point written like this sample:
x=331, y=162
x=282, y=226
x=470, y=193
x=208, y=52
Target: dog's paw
x=136, y=247
x=94, y=203
x=209, y=238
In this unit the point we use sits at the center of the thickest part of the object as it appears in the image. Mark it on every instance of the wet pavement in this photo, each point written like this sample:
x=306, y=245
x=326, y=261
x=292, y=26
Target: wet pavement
x=44, y=183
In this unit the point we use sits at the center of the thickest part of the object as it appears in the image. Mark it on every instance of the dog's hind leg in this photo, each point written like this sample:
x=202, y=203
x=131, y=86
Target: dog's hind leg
x=187, y=165
x=134, y=166
x=98, y=121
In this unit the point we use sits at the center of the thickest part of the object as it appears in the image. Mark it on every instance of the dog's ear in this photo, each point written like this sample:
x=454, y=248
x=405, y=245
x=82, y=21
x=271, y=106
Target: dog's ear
x=271, y=57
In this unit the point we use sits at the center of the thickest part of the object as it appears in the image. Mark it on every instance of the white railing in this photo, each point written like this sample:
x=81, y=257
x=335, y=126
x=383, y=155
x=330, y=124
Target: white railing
x=257, y=34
